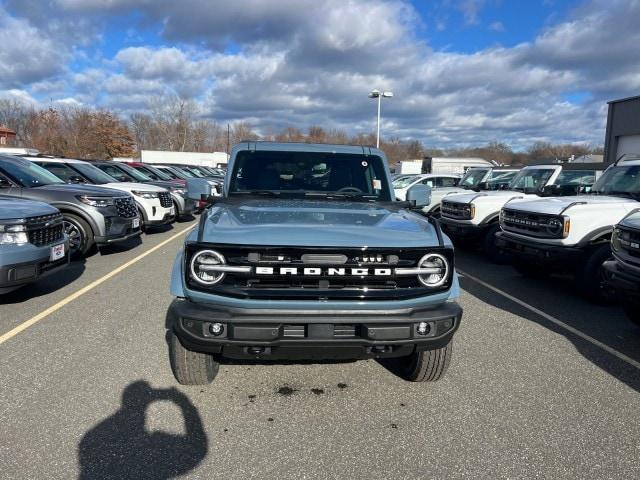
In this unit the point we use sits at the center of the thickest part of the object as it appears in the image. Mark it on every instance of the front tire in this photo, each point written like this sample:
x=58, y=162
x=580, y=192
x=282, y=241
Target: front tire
x=427, y=365
x=591, y=280
x=190, y=368
x=490, y=248
x=80, y=235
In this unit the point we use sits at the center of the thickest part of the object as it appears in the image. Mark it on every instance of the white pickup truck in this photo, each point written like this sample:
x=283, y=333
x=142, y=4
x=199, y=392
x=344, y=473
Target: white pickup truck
x=572, y=233
x=473, y=217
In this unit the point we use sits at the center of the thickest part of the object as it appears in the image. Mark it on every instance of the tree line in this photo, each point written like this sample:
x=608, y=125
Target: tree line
x=175, y=124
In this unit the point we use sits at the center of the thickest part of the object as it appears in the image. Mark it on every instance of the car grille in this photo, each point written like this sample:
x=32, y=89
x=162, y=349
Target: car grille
x=45, y=230
x=126, y=207
x=454, y=210
x=629, y=240
x=525, y=223
x=165, y=199
x=323, y=286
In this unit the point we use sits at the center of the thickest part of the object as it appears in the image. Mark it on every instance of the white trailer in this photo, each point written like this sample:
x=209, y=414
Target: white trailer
x=206, y=159
x=18, y=151
x=457, y=165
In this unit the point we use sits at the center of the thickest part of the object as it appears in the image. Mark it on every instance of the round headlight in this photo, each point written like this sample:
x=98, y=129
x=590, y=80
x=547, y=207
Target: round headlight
x=203, y=266
x=555, y=226
x=615, y=240
x=440, y=267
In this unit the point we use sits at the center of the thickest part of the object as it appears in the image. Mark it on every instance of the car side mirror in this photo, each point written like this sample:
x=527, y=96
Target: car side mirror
x=549, y=190
x=420, y=195
x=199, y=189
x=482, y=186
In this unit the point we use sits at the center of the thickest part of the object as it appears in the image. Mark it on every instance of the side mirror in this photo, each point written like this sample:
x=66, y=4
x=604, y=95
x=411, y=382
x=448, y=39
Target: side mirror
x=199, y=189
x=420, y=195
x=549, y=190
x=482, y=186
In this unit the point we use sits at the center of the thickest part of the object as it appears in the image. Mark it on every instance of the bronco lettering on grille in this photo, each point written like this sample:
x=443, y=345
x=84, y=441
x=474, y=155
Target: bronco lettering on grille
x=330, y=272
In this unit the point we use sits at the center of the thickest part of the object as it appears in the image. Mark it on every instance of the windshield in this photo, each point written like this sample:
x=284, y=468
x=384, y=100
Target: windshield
x=93, y=173
x=27, y=174
x=63, y=172
x=473, y=177
x=310, y=174
x=170, y=173
x=500, y=180
x=153, y=173
x=531, y=179
x=137, y=175
x=185, y=172
x=622, y=180
x=404, y=182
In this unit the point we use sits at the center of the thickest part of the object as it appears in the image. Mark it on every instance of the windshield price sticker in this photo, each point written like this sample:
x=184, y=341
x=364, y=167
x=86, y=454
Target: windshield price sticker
x=377, y=184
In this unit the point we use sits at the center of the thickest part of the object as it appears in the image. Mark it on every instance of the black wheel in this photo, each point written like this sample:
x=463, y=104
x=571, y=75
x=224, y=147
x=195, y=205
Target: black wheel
x=428, y=365
x=143, y=226
x=632, y=309
x=490, y=248
x=191, y=368
x=591, y=280
x=80, y=235
x=530, y=270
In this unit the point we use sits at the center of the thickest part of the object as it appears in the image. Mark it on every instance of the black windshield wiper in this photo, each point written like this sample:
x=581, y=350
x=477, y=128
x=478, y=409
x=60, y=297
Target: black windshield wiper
x=266, y=193
x=342, y=195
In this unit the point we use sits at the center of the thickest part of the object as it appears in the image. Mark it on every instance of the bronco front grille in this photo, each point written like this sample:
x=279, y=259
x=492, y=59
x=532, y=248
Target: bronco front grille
x=45, y=230
x=165, y=199
x=629, y=240
x=527, y=223
x=460, y=211
x=333, y=278
x=126, y=207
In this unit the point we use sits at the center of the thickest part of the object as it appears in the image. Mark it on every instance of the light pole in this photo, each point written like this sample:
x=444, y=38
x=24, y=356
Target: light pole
x=378, y=94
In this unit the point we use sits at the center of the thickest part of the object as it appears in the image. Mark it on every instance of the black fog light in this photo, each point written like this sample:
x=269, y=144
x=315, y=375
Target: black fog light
x=423, y=328
x=216, y=329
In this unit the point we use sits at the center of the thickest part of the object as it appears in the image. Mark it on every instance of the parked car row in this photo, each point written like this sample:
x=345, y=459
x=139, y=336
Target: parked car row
x=53, y=209
x=582, y=219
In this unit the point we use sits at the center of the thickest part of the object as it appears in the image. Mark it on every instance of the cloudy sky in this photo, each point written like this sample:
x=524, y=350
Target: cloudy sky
x=464, y=72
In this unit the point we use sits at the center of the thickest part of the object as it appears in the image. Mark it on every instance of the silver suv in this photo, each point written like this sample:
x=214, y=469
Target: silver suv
x=92, y=216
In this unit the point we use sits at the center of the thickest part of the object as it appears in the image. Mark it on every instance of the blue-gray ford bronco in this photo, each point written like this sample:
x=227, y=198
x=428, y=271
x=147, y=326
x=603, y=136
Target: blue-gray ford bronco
x=32, y=242
x=308, y=256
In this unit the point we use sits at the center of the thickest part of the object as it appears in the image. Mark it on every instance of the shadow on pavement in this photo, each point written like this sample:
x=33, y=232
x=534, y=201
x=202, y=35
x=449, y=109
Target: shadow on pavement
x=120, y=247
x=47, y=285
x=119, y=447
x=611, y=364
x=158, y=229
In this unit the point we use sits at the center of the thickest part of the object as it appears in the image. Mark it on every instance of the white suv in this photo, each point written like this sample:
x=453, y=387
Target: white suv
x=441, y=185
x=154, y=203
x=474, y=216
x=572, y=233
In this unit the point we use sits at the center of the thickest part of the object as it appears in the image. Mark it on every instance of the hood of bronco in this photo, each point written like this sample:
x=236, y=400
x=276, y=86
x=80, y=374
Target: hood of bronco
x=315, y=223
x=557, y=205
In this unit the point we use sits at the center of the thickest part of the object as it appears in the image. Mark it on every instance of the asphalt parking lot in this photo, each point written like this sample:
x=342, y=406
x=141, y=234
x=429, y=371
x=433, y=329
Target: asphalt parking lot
x=542, y=384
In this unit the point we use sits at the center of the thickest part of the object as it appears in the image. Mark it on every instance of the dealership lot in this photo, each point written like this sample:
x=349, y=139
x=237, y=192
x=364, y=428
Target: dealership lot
x=546, y=386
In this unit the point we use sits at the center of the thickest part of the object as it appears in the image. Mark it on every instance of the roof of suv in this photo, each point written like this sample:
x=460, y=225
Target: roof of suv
x=307, y=147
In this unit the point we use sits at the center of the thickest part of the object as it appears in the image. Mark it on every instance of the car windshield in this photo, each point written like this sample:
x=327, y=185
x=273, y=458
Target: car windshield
x=404, y=182
x=93, y=173
x=137, y=175
x=500, y=179
x=185, y=172
x=27, y=174
x=531, y=179
x=310, y=174
x=153, y=172
x=473, y=177
x=169, y=172
x=619, y=180
x=63, y=171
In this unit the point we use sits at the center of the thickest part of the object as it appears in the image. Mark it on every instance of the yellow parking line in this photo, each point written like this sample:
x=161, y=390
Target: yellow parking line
x=32, y=321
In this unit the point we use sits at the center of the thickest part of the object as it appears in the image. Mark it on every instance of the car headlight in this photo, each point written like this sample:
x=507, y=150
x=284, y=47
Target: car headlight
x=558, y=227
x=469, y=211
x=96, y=201
x=434, y=270
x=615, y=239
x=145, y=194
x=13, y=235
x=203, y=267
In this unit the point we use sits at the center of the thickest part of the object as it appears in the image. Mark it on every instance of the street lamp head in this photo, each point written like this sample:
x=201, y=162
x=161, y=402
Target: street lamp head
x=375, y=94
x=387, y=94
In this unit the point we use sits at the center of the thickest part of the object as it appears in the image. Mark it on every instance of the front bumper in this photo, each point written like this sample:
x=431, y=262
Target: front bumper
x=624, y=280
x=118, y=229
x=556, y=256
x=298, y=334
x=16, y=275
x=456, y=229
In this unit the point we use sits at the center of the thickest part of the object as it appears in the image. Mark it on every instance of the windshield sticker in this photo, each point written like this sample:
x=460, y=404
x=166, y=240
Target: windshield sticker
x=377, y=184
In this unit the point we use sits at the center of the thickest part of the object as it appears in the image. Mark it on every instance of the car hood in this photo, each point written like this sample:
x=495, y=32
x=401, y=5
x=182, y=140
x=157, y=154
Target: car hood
x=76, y=189
x=131, y=186
x=14, y=208
x=315, y=223
x=557, y=205
x=473, y=196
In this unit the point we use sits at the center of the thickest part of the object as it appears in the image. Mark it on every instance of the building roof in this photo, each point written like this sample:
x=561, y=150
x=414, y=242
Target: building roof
x=636, y=97
x=6, y=131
